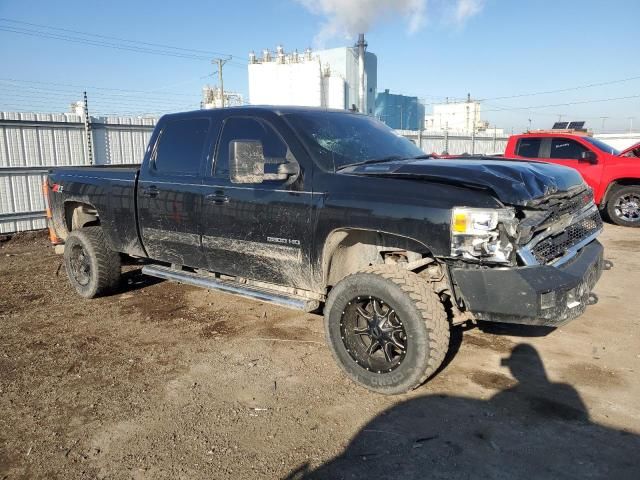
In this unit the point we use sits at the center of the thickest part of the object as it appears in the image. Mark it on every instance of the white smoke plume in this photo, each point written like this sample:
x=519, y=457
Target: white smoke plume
x=347, y=18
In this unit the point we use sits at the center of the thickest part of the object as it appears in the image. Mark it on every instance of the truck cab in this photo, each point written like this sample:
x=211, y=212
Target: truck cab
x=613, y=175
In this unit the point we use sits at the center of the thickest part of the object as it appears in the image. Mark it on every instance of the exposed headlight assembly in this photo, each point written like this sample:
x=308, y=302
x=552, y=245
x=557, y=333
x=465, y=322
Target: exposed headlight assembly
x=483, y=234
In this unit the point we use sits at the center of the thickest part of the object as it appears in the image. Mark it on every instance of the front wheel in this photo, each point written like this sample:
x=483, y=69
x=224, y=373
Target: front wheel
x=92, y=267
x=623, y=206
x=386, y=328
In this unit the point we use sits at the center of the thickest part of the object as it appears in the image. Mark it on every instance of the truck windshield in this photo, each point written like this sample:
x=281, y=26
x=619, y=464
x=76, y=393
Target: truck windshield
x=599, y=144
x=337, y=139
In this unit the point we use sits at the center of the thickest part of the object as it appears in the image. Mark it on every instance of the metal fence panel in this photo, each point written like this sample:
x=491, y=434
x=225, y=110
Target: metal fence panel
x=21, y=202
x=31, y=142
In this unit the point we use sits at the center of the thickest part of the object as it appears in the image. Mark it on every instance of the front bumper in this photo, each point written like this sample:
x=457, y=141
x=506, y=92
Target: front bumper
x=534, y=295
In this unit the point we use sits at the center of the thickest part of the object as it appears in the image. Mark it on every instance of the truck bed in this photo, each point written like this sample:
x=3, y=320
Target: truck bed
x=111, y=189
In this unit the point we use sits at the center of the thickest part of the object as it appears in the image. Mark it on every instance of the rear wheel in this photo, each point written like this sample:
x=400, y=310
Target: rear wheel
x=92, y=267
x=386, y=328
x=623, y=206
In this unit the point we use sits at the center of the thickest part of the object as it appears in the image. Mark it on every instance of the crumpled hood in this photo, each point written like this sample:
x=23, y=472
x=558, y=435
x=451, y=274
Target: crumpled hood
x=514, y=182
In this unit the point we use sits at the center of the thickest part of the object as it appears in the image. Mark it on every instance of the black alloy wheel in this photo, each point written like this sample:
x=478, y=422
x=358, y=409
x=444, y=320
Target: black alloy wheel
x=373, y=334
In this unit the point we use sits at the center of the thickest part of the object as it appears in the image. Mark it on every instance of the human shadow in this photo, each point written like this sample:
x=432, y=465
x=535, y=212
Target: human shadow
x=533, y=429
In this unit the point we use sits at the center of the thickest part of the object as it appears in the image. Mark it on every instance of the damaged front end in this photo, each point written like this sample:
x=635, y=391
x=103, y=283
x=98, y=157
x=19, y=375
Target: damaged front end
x=534, y=264
x=555, y=228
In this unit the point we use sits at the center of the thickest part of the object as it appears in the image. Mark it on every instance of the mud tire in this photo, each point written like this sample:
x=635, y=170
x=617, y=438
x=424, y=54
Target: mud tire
x=423, y=316
x=103, y=264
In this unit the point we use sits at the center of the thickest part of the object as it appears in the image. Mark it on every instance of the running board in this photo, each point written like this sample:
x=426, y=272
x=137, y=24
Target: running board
x=211, y=283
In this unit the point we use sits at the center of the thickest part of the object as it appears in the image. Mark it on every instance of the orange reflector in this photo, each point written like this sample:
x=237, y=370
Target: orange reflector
x=53, y=238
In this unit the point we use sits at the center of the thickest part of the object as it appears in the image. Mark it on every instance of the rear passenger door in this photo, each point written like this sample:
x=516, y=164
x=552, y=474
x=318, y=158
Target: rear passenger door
x=530, y=147
x=257, y=221
x=169, y=192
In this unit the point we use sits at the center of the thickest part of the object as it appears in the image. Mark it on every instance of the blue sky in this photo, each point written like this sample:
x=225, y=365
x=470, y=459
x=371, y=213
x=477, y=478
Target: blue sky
x=500, y=49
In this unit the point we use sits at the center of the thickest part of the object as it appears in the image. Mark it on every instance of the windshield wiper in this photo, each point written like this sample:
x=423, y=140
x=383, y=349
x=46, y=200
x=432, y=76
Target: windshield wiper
x=372, y=160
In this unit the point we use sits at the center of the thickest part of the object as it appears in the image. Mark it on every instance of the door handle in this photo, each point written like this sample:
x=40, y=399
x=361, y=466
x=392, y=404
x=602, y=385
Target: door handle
x=151, y=192
x=217, y=198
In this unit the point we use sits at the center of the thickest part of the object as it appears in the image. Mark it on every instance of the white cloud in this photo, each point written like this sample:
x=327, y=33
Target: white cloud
x=347, y=18
x=466, y=9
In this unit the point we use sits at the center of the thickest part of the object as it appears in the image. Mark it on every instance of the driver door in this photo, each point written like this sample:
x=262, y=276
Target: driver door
x=257, y=220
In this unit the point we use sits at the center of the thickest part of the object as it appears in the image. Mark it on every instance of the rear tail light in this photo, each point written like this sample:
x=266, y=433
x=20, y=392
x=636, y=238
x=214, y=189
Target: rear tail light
x=55, y=240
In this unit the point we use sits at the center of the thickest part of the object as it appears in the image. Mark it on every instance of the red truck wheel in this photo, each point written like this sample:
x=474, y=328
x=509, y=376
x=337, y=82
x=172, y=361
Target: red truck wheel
x=623, y=206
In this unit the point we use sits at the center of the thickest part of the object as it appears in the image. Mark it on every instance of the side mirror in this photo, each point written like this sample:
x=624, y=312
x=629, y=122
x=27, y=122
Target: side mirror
x=246, y=161
x=589, y=157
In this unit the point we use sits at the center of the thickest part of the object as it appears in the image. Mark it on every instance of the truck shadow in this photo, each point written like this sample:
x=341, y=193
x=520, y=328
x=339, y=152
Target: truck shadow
x=134, y=280
x=534, y=429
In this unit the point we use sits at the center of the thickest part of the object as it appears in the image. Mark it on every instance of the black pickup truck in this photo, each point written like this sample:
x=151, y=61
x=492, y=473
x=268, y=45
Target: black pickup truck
x=317, y=209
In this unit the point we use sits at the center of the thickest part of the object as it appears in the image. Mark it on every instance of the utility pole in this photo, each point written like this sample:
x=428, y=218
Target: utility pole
x=630, y=124
x=529, y=124
x=604, y=119
x=87, y=128
x=220, y=63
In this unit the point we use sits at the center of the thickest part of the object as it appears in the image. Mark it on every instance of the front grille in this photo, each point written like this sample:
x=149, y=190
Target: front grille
x=555, y=247
x=571, y=205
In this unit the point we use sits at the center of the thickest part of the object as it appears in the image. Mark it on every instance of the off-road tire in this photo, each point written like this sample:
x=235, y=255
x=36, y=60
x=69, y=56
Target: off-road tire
x=422, y=314
x=610, y=208
x=104, y=264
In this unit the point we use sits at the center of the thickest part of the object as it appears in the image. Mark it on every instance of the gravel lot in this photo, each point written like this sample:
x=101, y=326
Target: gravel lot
x=169, y=381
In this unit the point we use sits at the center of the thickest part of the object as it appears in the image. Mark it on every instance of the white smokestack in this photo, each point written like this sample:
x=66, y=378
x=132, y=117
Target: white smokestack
x=362, y=88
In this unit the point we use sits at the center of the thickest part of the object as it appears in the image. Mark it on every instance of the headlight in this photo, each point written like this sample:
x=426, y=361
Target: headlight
x=483, y=233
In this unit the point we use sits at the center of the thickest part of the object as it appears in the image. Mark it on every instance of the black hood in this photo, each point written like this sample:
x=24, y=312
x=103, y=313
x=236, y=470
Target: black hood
x=513, y=182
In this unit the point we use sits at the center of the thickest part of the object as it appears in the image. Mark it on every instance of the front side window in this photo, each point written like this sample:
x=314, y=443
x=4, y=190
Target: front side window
x=259, y=148
x=565, y=148
x=529, y=147
x=181, y=145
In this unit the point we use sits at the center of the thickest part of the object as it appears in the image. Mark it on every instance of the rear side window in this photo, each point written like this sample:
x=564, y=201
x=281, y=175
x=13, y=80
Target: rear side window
x=566, y=148
x=529, y=147
x=181, y=145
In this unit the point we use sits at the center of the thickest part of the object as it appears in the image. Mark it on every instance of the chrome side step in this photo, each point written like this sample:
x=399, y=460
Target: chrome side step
x=211, y=283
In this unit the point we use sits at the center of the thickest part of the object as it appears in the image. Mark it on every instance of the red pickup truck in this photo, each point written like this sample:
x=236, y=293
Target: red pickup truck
x=614, y=176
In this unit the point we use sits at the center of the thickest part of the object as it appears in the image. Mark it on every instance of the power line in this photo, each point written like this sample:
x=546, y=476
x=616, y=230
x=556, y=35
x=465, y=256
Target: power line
x=565, y=104
x=568, y=89
x=92, y=39
x=19, y=82
x=208, y=52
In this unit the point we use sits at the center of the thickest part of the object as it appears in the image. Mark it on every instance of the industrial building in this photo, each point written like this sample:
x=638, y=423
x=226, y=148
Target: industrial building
x=399, y=111
x=212, y=98
x=343, y=78
x=462, y=117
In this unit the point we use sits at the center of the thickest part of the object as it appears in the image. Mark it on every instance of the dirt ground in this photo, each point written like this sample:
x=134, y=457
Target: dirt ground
x=169, y=381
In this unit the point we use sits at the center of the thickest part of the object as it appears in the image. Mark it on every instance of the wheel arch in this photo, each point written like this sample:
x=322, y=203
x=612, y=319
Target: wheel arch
x=78, y=214
x=613, y=184
x=348, y=250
